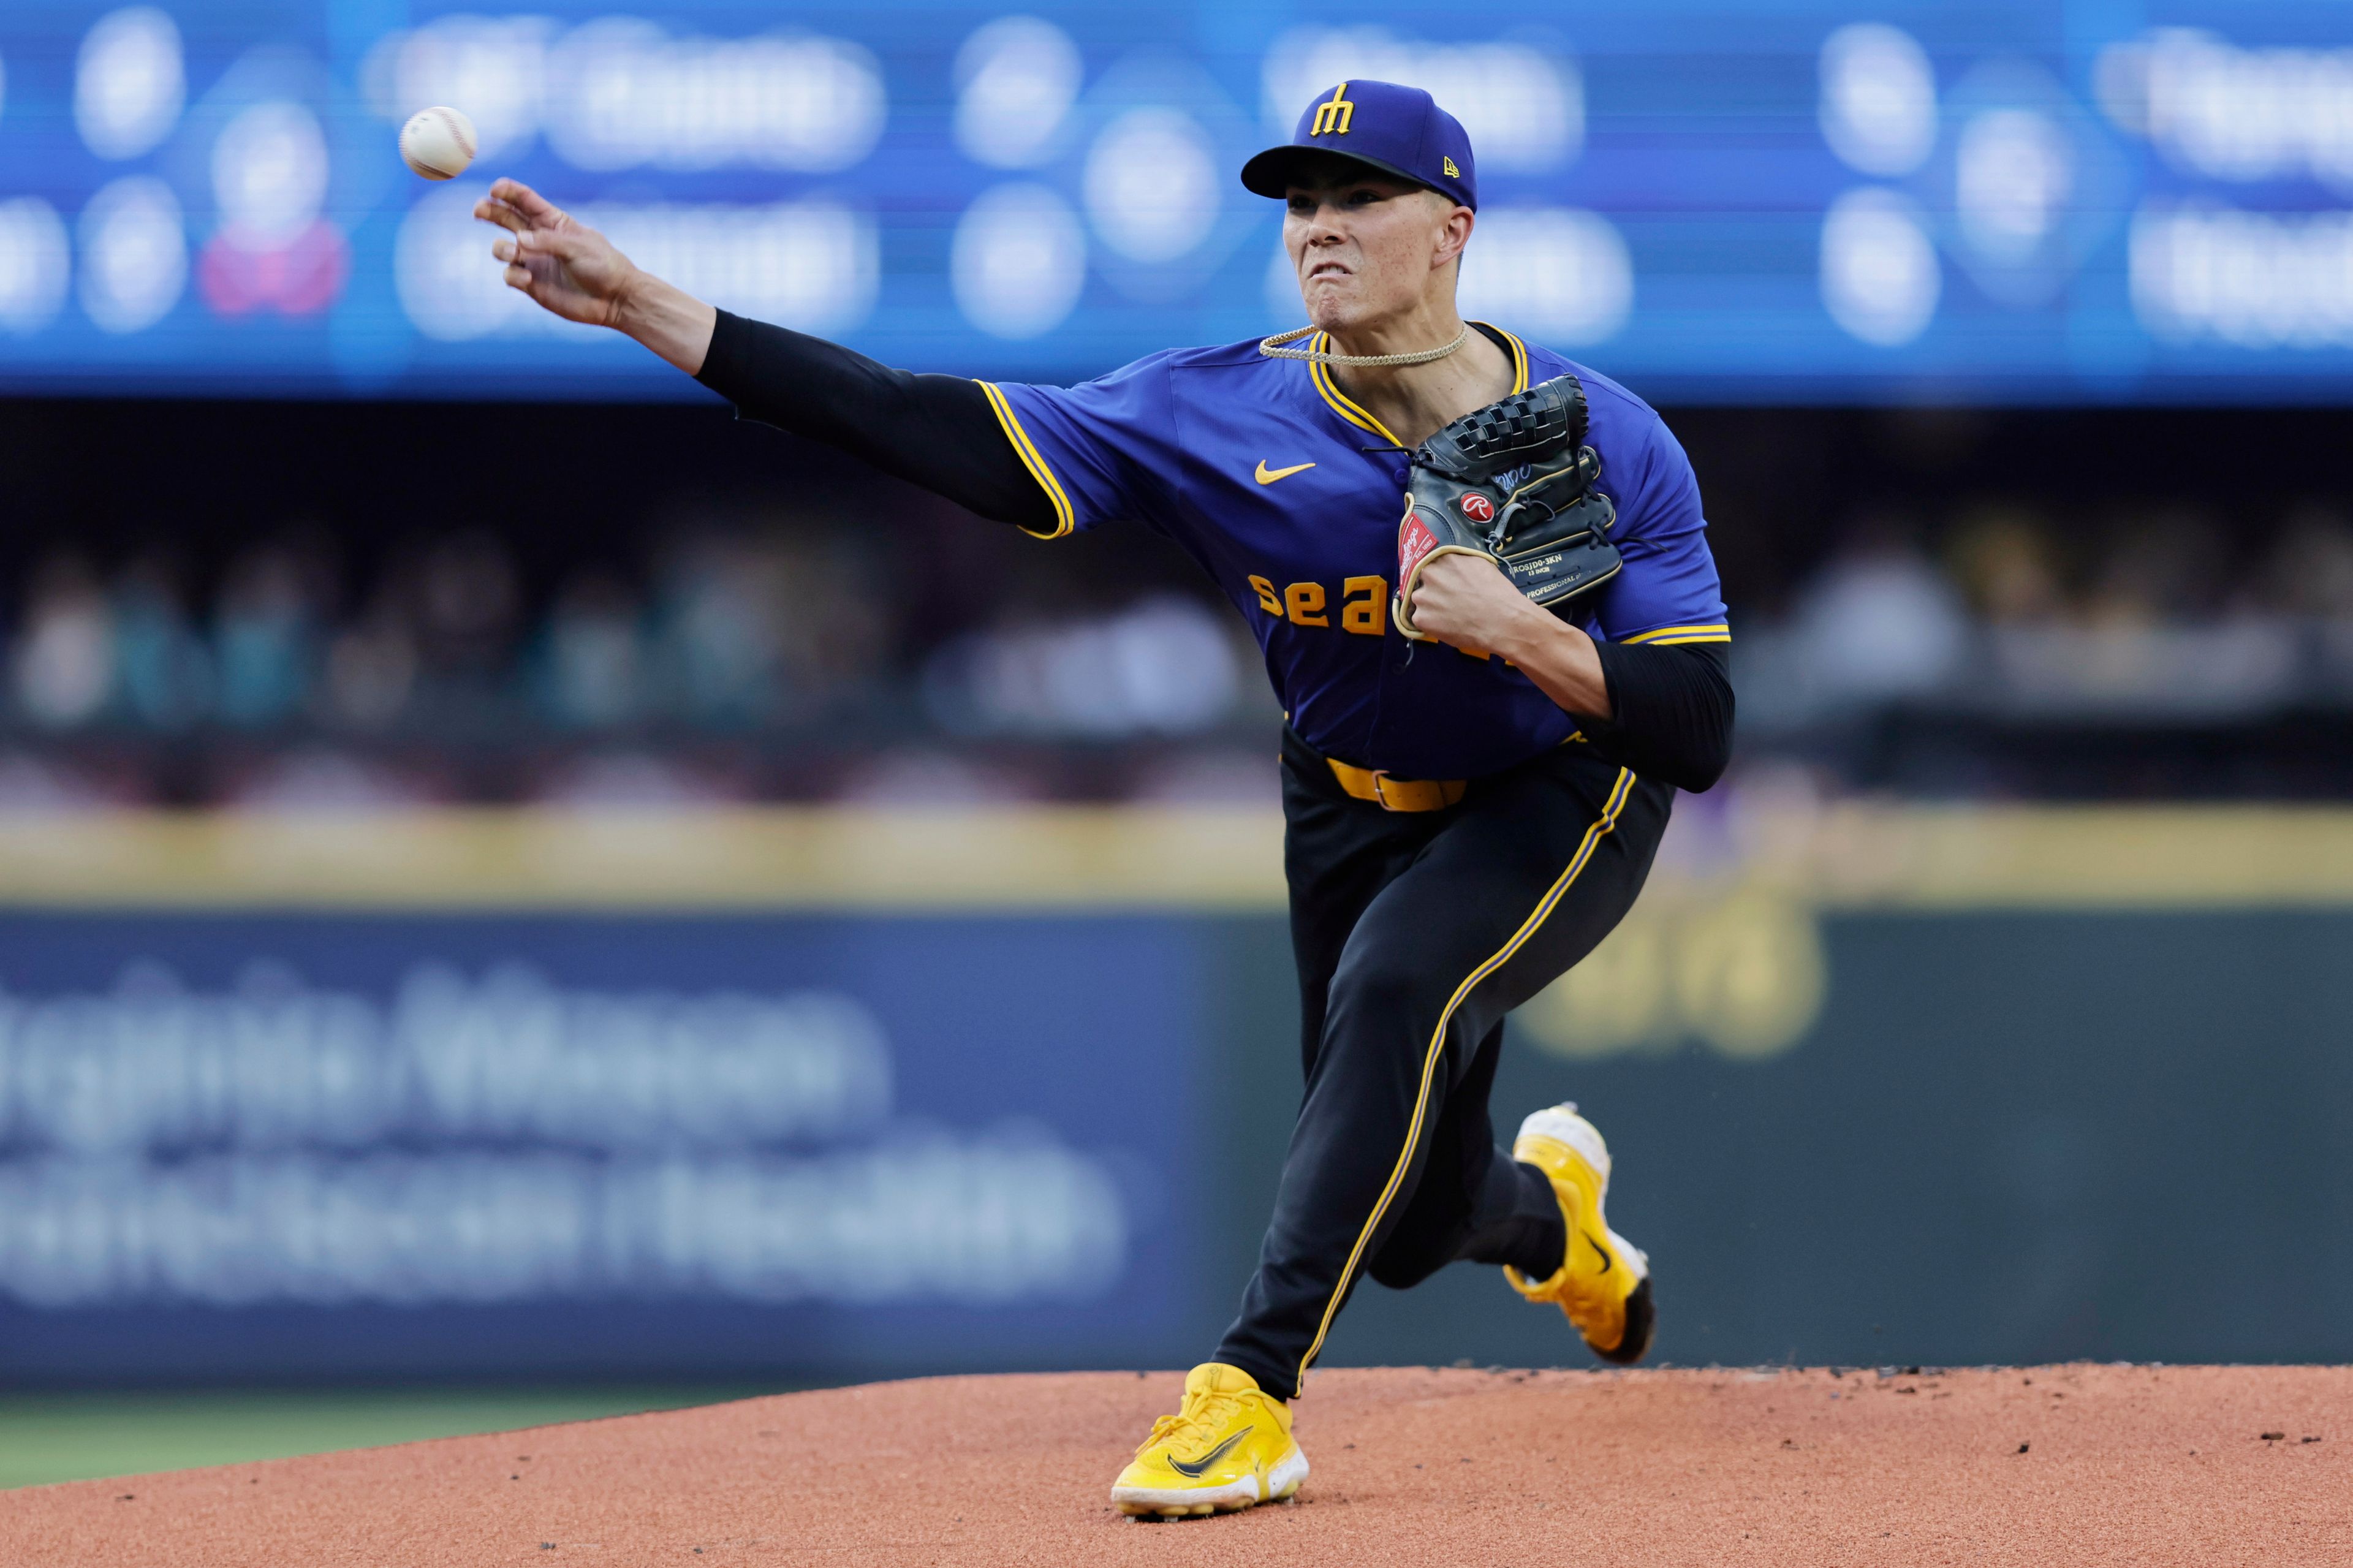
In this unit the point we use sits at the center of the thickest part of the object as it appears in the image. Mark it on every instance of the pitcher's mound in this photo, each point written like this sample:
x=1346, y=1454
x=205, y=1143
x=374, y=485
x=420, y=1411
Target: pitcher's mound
x=2207, y=1465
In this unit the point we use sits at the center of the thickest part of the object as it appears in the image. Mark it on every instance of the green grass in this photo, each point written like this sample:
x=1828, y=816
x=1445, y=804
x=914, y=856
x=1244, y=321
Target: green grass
x=48, y=1437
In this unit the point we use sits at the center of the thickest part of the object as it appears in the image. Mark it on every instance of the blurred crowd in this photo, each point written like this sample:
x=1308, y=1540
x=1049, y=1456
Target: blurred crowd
x=786, y=659
x=2152, y=617
x=738, y=663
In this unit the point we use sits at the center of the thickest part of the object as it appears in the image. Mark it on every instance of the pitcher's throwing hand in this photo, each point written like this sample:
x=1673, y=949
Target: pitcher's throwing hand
x=562, y=264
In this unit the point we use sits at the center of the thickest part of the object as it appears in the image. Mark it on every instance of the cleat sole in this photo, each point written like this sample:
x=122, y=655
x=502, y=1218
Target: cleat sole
x=1280, y=1485
x=1641, y=1328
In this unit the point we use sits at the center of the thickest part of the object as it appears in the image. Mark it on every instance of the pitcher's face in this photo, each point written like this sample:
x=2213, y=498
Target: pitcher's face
x=1368, y=247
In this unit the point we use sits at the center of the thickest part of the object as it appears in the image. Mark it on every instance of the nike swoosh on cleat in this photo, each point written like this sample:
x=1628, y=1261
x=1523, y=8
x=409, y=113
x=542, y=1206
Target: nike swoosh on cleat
x=1201, y=1467
x=1267, y=476
x=1597, y=1246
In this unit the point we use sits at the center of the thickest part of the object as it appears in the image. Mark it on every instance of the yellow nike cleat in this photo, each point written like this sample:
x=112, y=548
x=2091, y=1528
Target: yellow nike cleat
x=1226, y=1448
x=1603, y=1284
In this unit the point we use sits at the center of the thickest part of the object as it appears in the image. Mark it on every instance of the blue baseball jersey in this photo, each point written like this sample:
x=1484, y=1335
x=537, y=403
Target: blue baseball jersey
x=1289, y=495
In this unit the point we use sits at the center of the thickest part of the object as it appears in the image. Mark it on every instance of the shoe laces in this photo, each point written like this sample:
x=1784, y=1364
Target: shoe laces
x=1201, y=1416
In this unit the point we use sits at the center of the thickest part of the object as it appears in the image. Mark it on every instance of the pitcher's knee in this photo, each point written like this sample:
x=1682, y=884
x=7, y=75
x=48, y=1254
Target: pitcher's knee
x=1401, y=1269
x=1389, y=994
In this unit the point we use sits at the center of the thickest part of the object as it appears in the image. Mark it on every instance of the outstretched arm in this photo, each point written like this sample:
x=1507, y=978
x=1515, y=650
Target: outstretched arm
x=936, y=431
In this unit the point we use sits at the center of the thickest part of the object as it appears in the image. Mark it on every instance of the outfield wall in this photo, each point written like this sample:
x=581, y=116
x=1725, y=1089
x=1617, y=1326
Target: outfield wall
x=823, y=1094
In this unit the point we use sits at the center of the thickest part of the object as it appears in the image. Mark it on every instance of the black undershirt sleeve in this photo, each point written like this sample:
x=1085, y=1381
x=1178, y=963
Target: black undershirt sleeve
x=936, y=431
x=1670, y=710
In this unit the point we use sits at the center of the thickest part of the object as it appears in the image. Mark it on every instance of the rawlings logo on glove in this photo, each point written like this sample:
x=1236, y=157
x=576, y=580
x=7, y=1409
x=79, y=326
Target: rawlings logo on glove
x=1512, y=482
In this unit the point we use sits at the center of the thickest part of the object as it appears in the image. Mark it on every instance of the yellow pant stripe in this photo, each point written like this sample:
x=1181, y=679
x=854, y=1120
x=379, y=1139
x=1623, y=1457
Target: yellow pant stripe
x=1065, y=518
x=1602, y=826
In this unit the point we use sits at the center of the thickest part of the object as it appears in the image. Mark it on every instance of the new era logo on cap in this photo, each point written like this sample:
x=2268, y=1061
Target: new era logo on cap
x=1396, y=129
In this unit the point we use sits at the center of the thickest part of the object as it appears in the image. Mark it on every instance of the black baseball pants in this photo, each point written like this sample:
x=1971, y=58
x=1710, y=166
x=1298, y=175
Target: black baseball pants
x=1415, y=934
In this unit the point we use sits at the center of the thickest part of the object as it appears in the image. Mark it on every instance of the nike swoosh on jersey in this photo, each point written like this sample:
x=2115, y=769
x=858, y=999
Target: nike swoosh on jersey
x=1201, y=1467
x=1267, y=476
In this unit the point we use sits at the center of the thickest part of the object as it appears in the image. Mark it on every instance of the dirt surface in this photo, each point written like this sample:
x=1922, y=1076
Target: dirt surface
x=2079, y=1465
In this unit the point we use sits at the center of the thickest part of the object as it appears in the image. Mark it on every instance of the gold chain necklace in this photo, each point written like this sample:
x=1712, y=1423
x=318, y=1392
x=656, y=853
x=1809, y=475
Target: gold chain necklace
x=1271, y=347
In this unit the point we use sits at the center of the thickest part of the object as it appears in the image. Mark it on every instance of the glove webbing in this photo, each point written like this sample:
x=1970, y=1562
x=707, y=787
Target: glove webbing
x=1548, y=416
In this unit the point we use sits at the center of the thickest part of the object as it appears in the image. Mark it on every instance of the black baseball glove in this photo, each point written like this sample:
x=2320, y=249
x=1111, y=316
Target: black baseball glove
x=1514, y=482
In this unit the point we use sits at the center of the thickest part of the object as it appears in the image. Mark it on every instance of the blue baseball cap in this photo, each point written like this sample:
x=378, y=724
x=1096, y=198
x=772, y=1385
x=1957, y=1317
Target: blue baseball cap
x=1397, y=130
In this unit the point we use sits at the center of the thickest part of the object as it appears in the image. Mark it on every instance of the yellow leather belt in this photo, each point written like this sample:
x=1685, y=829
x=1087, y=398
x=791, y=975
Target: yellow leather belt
x=1396, y=795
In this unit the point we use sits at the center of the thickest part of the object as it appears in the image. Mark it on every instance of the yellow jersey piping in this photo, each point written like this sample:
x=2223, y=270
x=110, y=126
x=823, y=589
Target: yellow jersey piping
x=1519, y=355
x=1668, y=636
x=1065, y=518
x=1321, y=374
x=1601, y=829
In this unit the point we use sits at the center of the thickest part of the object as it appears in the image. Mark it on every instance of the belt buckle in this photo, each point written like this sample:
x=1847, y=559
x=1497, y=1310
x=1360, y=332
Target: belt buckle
x=1381, y=794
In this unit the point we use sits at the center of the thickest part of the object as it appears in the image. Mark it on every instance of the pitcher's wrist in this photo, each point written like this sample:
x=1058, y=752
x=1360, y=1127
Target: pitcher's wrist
x=1528, y=630
x=625, y=311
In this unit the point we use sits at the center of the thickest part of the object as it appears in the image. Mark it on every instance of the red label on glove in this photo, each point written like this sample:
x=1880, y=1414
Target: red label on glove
x=1415, y=542
x=1478, y=508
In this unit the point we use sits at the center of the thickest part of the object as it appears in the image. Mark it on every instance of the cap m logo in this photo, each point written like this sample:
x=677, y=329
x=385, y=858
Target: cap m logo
x=1332, y=115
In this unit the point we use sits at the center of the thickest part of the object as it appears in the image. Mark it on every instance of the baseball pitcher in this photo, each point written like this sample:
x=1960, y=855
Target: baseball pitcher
x=1480, y=578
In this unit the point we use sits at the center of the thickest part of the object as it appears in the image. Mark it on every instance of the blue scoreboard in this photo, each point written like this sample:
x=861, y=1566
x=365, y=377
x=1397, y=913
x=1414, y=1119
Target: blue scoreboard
x=1972, y=200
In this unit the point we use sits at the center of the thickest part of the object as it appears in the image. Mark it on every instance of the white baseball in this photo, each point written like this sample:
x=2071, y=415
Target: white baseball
x=437, y=143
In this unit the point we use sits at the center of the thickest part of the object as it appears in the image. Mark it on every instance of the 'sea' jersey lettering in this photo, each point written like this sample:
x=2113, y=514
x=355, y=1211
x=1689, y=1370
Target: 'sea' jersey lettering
x=1290, y=495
